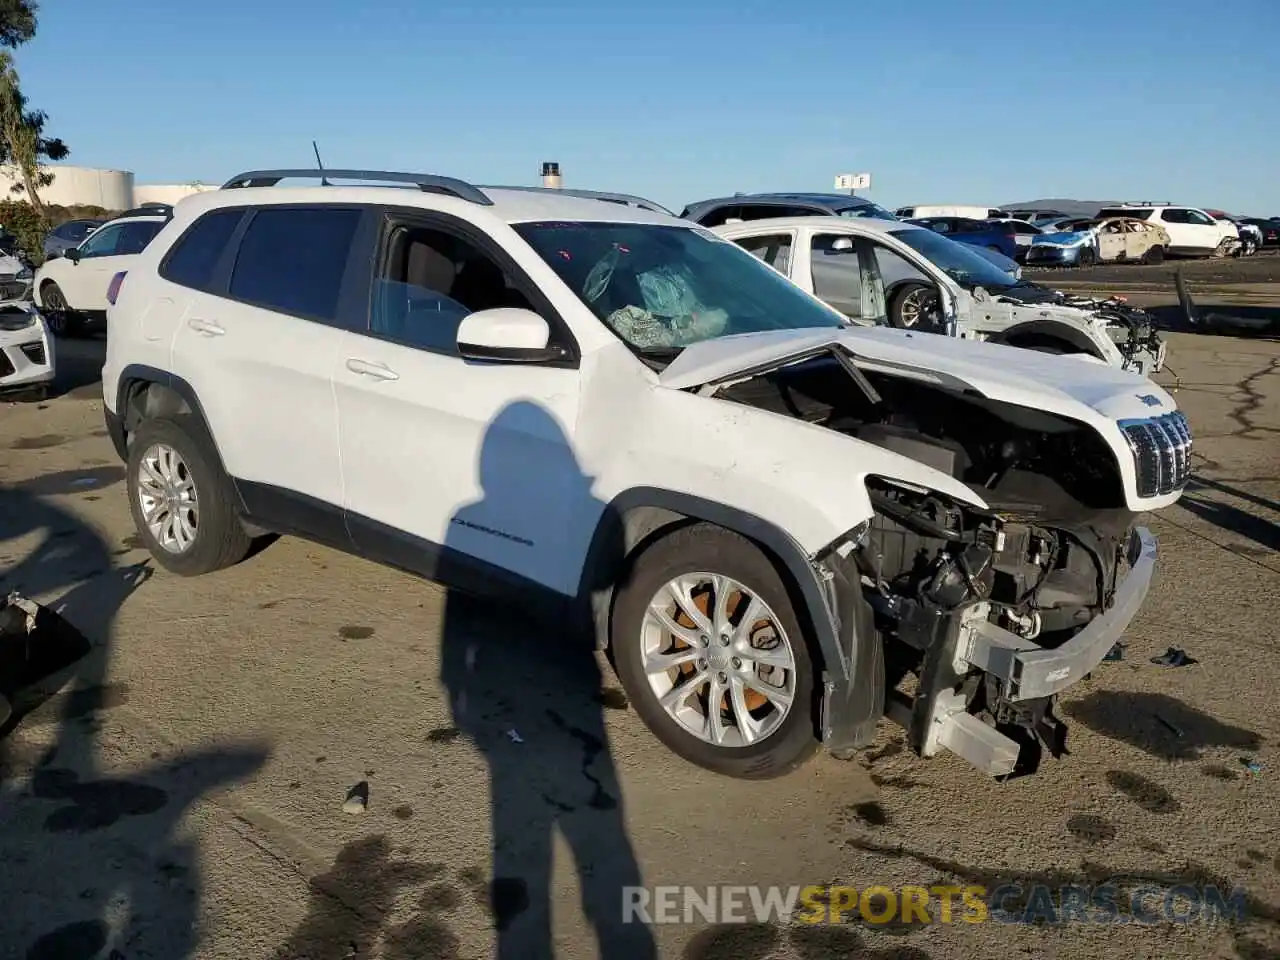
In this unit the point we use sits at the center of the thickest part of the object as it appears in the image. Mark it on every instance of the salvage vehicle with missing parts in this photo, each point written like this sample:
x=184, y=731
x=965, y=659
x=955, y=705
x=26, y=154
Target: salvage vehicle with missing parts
x=878, y=272
x=780, y=525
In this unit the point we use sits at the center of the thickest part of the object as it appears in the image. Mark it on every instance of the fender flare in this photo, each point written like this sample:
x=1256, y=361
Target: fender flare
x=618, y=533
x=136, y=373
x=830, y=604
x=1053, y=329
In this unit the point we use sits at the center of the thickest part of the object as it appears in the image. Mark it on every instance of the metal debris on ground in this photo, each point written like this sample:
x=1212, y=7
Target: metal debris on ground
x=1115, y=653
x=1174, y=657
x=1252, y=765
x=515, y=737
x=357, y=798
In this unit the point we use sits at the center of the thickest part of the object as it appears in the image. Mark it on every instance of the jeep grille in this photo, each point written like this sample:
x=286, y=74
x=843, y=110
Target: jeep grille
x=1161, y=452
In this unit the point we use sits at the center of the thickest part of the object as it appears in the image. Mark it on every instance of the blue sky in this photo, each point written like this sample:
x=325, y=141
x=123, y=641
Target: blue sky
x=979, y=101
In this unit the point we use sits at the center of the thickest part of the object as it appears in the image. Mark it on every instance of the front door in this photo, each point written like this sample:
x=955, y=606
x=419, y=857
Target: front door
x=1111, y=243
x=101, y=257
x=447, y=461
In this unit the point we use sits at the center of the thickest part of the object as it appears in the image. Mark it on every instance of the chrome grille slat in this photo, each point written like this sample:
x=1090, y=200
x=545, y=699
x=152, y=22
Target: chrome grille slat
x=1161, y=448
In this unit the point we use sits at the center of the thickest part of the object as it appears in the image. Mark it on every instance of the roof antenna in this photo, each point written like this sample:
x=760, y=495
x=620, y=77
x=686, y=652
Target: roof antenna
x=324, y=182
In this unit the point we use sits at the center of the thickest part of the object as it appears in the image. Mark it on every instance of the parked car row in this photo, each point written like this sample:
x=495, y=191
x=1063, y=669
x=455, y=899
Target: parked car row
x=785, y=518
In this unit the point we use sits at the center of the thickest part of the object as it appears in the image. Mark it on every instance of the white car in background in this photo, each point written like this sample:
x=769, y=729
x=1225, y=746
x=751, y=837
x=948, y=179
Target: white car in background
x=72, y=289
x=26, y=349
x=892, y=273
x=1192, y=232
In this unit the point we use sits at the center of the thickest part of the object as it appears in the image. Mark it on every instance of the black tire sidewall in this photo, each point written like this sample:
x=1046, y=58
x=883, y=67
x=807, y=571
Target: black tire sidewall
x=68, y=321
x=895, y=304
x=703, y=547
x=218, y=526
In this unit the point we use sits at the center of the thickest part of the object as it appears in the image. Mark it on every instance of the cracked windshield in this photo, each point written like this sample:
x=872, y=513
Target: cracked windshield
x=662, y=288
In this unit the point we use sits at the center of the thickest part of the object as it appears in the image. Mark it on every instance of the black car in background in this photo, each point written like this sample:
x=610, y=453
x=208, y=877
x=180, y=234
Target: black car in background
x=766, y=206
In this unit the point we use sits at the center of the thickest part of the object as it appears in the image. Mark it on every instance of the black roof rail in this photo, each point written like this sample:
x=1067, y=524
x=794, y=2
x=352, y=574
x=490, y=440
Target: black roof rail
x=427, y=182
x=147, y=210
x=628, y=199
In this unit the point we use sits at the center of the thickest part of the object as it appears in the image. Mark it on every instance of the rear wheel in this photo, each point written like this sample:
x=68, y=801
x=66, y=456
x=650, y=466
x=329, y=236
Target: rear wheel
x=62, y=321
x=1088, y=257
x=183, y=505
x=709, y=649
x=1154, y=254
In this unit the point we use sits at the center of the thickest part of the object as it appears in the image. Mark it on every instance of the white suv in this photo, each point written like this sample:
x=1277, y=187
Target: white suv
x=72, y=289
x=769, y=516
x=1192, y=232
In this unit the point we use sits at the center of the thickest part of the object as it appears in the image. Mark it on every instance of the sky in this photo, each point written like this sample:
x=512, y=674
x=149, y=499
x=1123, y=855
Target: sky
x=976, y=101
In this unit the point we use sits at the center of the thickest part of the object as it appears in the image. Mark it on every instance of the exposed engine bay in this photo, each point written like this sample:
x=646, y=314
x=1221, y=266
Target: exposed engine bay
x=1041, y=563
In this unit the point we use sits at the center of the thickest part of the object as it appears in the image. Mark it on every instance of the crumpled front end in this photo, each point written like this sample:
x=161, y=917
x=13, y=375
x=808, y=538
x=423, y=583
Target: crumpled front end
x=26, y=349
x=987, y=616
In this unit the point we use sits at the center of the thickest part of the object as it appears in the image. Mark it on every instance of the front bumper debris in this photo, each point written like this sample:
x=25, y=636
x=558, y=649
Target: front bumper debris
x=1020, y=679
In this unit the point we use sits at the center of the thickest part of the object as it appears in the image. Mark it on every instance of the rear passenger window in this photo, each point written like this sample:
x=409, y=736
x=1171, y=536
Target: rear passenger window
x=293, y=259
x=195, y=256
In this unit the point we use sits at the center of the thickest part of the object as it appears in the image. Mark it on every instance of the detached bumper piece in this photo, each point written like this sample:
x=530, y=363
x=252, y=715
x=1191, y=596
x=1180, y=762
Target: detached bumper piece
x=1012, y=680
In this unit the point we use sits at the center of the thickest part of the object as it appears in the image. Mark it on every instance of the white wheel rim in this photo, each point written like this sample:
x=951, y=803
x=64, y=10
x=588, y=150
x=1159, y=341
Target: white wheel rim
x=707, y=639
x=167, y=497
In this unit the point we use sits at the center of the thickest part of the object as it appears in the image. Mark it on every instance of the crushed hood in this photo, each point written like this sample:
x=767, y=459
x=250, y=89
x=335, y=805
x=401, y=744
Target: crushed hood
x=1088, y=392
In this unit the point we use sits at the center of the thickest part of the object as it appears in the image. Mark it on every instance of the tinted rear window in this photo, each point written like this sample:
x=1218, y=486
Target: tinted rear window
x=1137, y=214
x=194, y=257
x=293, y=259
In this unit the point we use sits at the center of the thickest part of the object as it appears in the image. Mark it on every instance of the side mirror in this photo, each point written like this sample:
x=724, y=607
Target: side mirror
x=842, y=245
x=73, y=254
x=506, y=335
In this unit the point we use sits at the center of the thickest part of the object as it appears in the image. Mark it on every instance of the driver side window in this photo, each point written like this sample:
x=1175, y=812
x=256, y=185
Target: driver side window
x=101, y=244
x=428, y=281
x=837, y=273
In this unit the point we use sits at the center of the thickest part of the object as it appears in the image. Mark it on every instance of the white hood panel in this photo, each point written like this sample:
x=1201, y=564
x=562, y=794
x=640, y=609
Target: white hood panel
x=1088, y=392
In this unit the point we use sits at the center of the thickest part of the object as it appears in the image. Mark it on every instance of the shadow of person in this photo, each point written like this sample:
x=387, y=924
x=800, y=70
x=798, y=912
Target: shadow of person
x=529, y=698
x=90, y=841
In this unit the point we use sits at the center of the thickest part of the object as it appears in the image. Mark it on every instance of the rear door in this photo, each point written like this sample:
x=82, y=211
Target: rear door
x=259, y=346
x=775, y=249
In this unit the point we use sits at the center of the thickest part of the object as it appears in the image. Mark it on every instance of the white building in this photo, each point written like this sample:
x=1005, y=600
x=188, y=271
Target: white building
x=88, y=186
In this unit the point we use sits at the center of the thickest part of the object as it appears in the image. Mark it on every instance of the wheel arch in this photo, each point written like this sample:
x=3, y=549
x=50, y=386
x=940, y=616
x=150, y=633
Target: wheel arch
x=143, y=392
x=639, y=516
x=1049, y=330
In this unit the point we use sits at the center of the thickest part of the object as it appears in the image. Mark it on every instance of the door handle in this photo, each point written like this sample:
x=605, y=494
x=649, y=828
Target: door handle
x=370, y=368
x=207, y=327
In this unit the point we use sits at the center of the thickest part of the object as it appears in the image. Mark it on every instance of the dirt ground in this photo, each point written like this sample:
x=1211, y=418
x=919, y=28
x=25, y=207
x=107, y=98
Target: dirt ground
x=177, y=788
x=1263, y=267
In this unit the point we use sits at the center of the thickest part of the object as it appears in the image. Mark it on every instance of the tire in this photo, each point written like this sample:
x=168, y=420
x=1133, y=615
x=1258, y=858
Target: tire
x=219, y=537
x=1154, y=255
x=1088, y=257
x=903, y=299
x=704, y=548
x=61, y=319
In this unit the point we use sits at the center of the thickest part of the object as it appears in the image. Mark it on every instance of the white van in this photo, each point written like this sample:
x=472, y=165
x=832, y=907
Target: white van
x=972, y=213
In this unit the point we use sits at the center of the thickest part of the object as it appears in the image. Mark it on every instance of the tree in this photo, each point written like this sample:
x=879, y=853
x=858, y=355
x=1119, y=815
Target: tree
x=17, y=22
x=22, y=140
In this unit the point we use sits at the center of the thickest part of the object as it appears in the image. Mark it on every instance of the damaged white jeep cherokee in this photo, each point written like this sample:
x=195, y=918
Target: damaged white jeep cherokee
x=783, y=527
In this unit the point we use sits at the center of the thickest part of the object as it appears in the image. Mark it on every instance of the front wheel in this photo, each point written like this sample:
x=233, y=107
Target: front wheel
x=912, y=305
x=1154, y=255
x=1088, y=257
x=709, y=649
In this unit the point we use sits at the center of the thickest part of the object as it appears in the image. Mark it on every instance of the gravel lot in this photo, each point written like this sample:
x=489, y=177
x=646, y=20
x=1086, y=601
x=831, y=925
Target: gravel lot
x=1263, y=267
x=179, y=791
